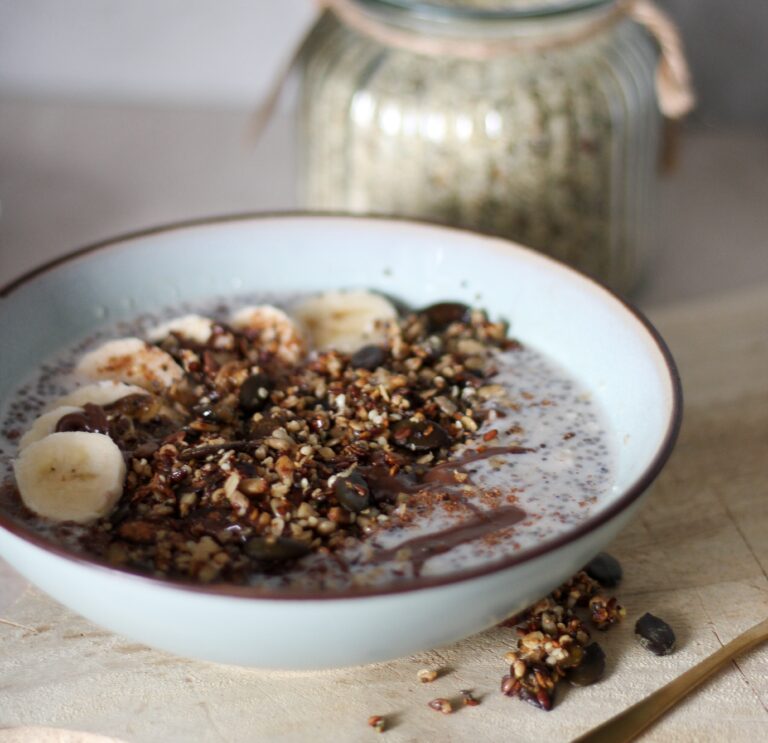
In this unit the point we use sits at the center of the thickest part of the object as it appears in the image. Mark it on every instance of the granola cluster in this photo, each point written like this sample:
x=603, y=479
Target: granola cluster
x=554, y=642
x=251, y=460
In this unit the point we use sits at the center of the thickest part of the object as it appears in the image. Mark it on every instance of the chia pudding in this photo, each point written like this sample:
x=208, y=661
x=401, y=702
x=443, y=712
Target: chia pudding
x=321, y=442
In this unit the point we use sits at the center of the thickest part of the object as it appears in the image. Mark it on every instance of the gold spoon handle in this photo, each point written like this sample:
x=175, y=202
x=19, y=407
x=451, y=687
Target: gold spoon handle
x=631, y=722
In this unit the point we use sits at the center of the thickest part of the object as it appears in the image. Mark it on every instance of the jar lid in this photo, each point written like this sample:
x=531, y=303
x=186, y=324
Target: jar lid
x=475, y=9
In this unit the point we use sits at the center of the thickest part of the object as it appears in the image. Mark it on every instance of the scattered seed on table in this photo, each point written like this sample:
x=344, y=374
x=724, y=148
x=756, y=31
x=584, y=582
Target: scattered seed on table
x=655, y=634
x=377, y=723
x=427, y=675
x=605, y=569
x=468, y=698
x=441, y=705
x=591, y=668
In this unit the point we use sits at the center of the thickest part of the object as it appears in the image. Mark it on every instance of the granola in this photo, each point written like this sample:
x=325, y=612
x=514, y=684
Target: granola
x=554, y=642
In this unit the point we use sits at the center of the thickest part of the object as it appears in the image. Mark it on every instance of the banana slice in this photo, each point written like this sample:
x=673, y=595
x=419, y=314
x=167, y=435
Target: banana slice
x=99, y=393
x=194, y=327
x=276, y=331
x=345, y=321
x=134, y=361
x=46, y=424
x=71, y=476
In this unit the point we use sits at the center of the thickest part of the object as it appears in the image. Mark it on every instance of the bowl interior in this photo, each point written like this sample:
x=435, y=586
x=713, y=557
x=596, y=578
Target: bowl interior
x=550, y=307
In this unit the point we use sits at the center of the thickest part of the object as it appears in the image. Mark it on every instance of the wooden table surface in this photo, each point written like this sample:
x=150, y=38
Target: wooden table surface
x=697, y=555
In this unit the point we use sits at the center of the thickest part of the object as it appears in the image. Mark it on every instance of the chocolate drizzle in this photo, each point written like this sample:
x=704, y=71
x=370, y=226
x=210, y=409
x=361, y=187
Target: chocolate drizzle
x=437, y=473
x=419, y=549
x=201, y=452
x=386, y=486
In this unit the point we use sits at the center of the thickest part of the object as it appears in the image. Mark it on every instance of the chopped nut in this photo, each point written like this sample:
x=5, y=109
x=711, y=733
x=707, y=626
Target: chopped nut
x=284, y=467
x=605, y=611
x=326, y=526
x=460, y=476
x=377, y=722
x=427, y=675
x=254, y=486
x=239, y=502
x=533, y=640
x=305, y=510
x=280, y=490
x=491, y=391
x=278, y=444
x=447, y=406
x=441, y=705
x=186, y=503
x=509, y=685
x=471, y=347
x=468, y=698
x=468, y=423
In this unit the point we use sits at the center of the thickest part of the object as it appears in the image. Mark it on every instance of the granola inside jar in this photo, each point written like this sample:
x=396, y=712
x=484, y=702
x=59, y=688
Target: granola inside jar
x=537, y=121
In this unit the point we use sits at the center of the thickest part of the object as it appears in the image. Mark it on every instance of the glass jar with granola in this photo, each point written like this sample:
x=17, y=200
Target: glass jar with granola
x=531, y=119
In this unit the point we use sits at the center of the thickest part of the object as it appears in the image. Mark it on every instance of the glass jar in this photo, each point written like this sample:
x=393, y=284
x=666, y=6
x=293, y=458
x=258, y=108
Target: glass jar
x=532, y=120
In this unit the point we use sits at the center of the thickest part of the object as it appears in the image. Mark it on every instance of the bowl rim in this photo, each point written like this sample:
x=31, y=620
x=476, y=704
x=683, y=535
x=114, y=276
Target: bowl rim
x=584, y=528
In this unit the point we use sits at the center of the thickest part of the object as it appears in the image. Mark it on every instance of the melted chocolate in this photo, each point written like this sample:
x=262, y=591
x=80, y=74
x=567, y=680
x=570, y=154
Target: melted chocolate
x=91, y=420
x=386, y=487
x=437, y=473
x=426, y=546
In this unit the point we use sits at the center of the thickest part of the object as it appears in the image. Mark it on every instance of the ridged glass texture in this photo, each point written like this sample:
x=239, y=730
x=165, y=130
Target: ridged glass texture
x=556, y=148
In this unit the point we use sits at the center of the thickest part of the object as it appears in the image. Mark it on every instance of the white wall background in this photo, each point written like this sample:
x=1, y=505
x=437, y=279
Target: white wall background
x=225, y=52
x=200, y=52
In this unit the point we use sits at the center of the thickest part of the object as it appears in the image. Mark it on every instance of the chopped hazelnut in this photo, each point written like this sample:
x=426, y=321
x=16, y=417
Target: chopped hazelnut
x=441, y=705
x=427, y=675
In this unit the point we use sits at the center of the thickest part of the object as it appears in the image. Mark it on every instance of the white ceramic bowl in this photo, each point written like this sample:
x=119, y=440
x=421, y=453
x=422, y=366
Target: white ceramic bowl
x=600, y=339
